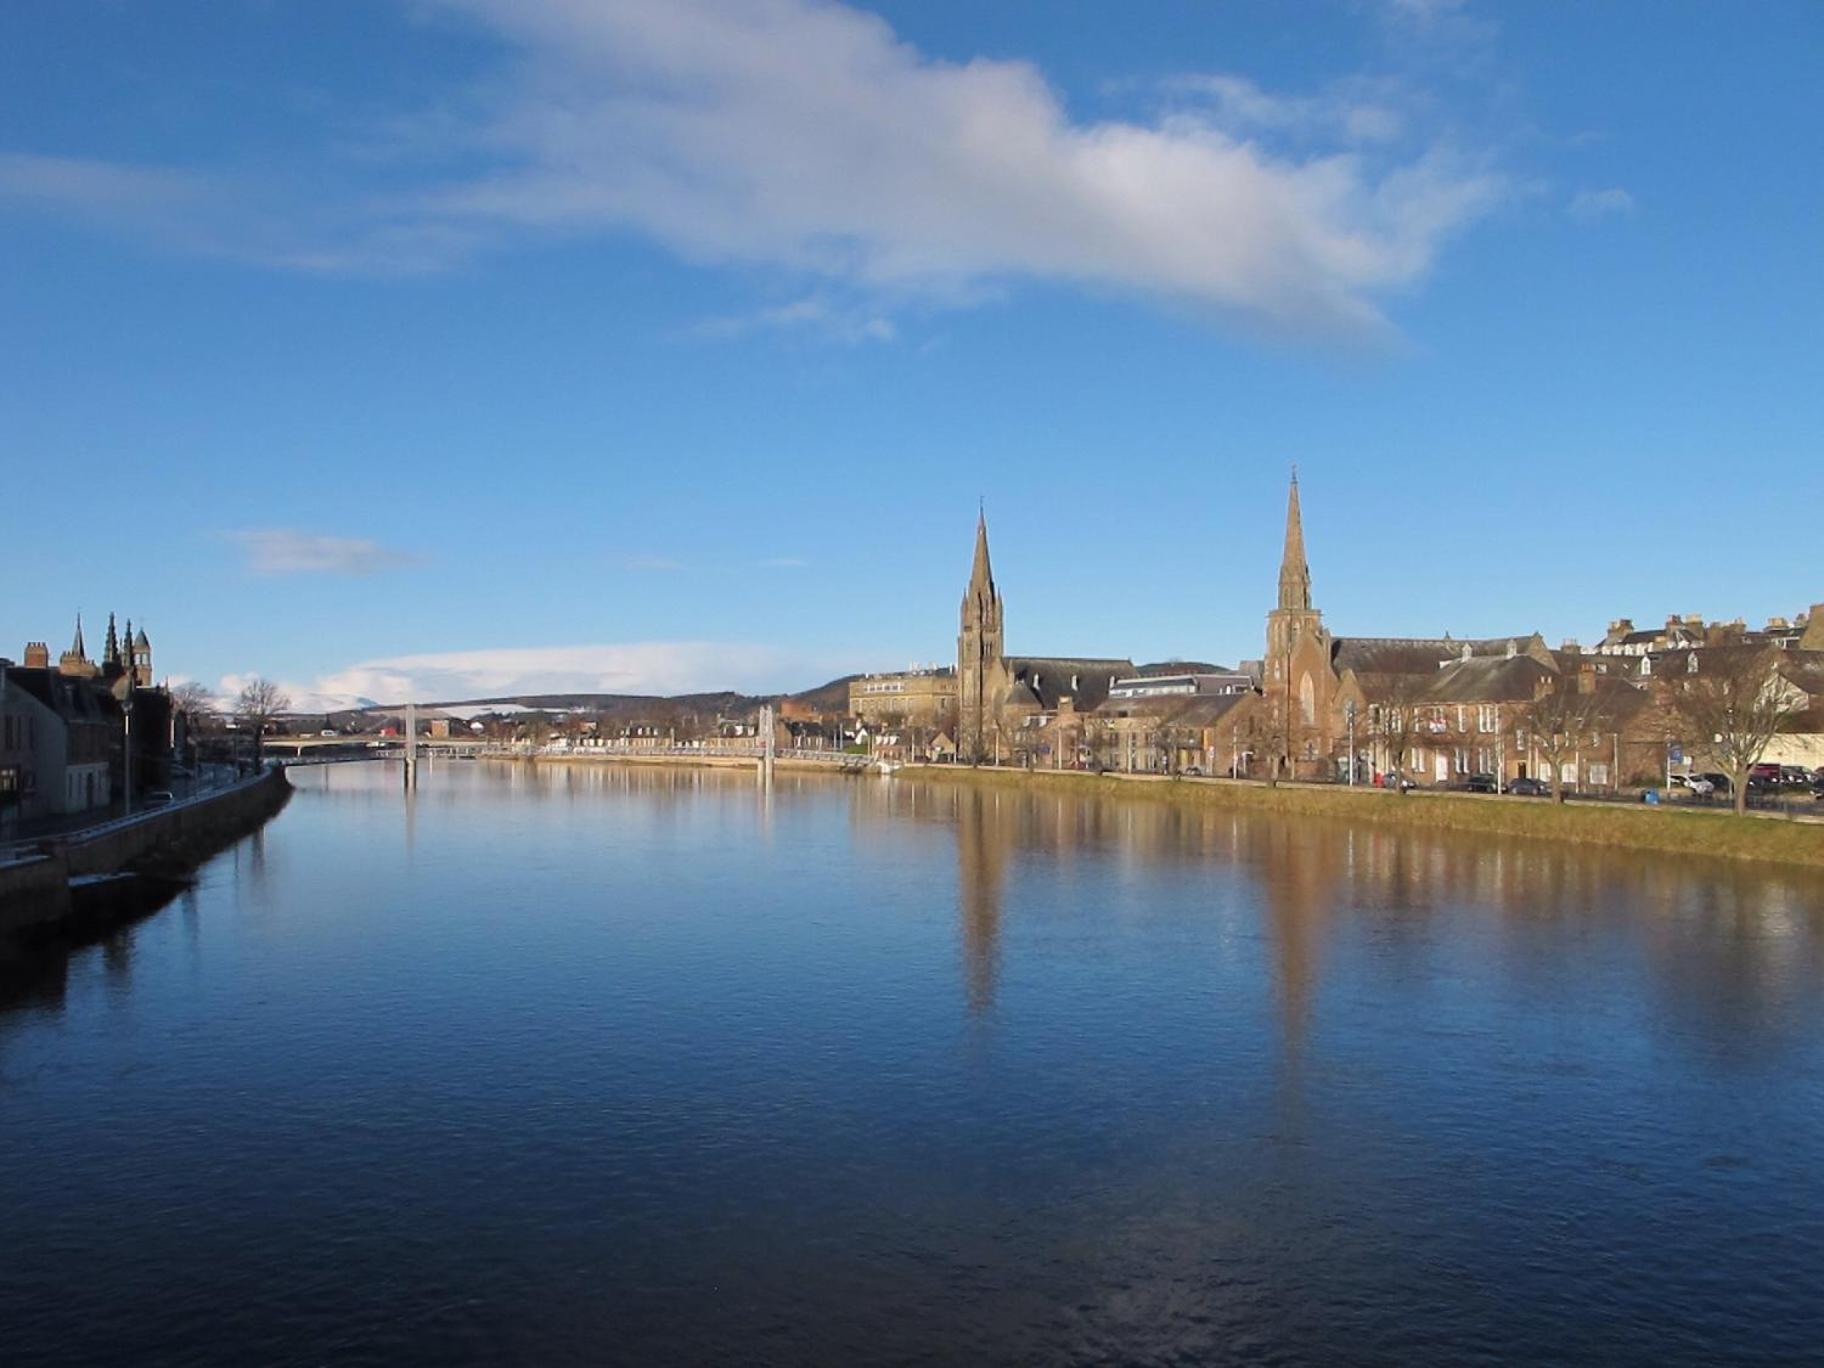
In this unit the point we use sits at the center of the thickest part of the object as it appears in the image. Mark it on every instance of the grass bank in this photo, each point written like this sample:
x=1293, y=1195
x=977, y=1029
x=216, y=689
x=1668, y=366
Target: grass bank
x=1722, y=834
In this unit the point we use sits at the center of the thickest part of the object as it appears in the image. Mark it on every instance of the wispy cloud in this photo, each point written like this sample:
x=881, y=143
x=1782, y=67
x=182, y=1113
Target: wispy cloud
x=806, y=137
x=283, y=551
x=850, y=324
x=93, y=186
x=1357, y=111
x=1587, y=206
x=642, y=667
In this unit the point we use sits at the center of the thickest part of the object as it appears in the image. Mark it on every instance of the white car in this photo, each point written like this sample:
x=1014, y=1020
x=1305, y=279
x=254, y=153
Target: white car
x=1699, y=785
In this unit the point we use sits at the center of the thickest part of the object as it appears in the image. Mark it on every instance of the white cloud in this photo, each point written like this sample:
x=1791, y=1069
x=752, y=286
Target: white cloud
x=807, y=136
x=643, y=667
x=281, y=551
x=1589, y=205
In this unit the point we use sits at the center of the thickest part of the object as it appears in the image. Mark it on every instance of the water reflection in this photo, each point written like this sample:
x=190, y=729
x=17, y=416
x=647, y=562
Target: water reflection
x=574, y=1063
x=983, y=843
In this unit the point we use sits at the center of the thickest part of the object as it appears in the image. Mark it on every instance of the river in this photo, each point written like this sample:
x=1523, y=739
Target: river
x=594, y=1064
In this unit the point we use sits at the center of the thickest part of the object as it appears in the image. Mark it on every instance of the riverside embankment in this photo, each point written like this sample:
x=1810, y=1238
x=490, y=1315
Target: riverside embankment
x=59, y=888
x=1767, y=838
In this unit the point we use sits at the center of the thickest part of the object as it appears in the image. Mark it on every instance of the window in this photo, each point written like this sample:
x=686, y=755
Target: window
x=1307, y=701
x=1488, y=717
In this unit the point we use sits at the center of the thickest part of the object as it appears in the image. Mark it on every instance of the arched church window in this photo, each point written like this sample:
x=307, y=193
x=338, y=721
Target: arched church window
x=1307, y=701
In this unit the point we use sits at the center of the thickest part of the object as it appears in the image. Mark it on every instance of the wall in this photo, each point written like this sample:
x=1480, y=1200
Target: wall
x=34, y=893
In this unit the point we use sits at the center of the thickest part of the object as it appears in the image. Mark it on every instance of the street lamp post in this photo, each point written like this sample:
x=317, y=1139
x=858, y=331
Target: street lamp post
x=126, y=765
x=1349, y=712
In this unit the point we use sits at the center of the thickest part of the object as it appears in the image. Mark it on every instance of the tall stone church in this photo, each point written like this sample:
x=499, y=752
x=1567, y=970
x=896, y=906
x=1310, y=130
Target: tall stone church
x=980, y=650
x=996, y=692
x=1298, y=677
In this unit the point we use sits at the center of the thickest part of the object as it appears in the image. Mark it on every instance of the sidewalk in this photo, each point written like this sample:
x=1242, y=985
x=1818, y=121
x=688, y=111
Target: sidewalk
x=26, y=834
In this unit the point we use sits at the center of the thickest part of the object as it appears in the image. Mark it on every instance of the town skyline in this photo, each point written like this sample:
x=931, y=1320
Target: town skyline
x=380, y=388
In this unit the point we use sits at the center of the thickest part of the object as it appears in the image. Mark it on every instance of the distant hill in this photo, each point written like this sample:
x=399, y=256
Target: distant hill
x=831, y=697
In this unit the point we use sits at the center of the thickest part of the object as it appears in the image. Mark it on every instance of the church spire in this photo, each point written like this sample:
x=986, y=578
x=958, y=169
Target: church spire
x=1294, y=573
x=981, y=574
x=77, y=649
x=110, y=654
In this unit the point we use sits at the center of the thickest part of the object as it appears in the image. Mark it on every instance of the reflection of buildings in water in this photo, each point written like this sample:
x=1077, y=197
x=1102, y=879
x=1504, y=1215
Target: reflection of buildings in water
x=1299, y=872
x=983, y=838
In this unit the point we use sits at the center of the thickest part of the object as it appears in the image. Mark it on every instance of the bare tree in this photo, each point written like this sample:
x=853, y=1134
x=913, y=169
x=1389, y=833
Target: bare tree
x=1731, y=706
x=259, y=702
x=193, y=700
x=1393, y=718
x=1558, y=723
x=1169, y=737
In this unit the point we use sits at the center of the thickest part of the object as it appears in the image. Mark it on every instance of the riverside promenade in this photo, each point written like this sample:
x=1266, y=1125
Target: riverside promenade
x=1783, y=838
x=43, y=883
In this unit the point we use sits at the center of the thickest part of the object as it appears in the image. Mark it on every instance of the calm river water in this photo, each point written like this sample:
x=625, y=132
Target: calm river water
x=586, y=1065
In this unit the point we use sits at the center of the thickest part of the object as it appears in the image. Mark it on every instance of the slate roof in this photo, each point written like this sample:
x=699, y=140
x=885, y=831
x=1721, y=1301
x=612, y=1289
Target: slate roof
x=1163, y=668
x=1415, y=655
x=1043, y=680
x=1190, y=710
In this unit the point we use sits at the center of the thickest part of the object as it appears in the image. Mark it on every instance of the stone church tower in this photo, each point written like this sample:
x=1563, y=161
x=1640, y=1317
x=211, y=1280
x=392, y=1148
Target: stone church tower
x=139, y=657
x=1299, y=681
x=980, y=652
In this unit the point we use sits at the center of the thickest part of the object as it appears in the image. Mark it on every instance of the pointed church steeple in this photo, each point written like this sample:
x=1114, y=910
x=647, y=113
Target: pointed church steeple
x=77, y=649
x=1294, y=573
x=979, y=651
x=981, y=573
x=110, y=654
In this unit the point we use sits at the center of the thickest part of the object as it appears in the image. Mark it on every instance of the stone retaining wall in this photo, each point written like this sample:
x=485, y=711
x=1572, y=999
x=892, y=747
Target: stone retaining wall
x=34, y=892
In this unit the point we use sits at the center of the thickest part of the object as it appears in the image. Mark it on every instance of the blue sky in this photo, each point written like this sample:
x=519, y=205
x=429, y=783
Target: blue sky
x=452, y=346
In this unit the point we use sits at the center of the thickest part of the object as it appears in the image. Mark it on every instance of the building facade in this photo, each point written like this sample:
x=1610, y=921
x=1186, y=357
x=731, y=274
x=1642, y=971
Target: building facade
x=922, y=696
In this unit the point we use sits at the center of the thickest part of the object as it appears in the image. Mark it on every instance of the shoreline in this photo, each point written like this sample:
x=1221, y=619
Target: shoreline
x=1771, y=839
x=87, y=882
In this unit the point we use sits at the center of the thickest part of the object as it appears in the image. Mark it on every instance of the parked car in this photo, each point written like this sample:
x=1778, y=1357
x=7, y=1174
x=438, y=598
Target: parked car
x=1719, y=783
x=1795, y=776
x=1529, y=788
x=1482, y=783
x=1764, y=775
x=1696, y=783
x=1817, y=787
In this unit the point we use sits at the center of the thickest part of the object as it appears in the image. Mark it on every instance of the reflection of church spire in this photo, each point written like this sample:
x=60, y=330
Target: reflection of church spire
x=980, y=867
x=1298, y=875
x=1294, y=573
